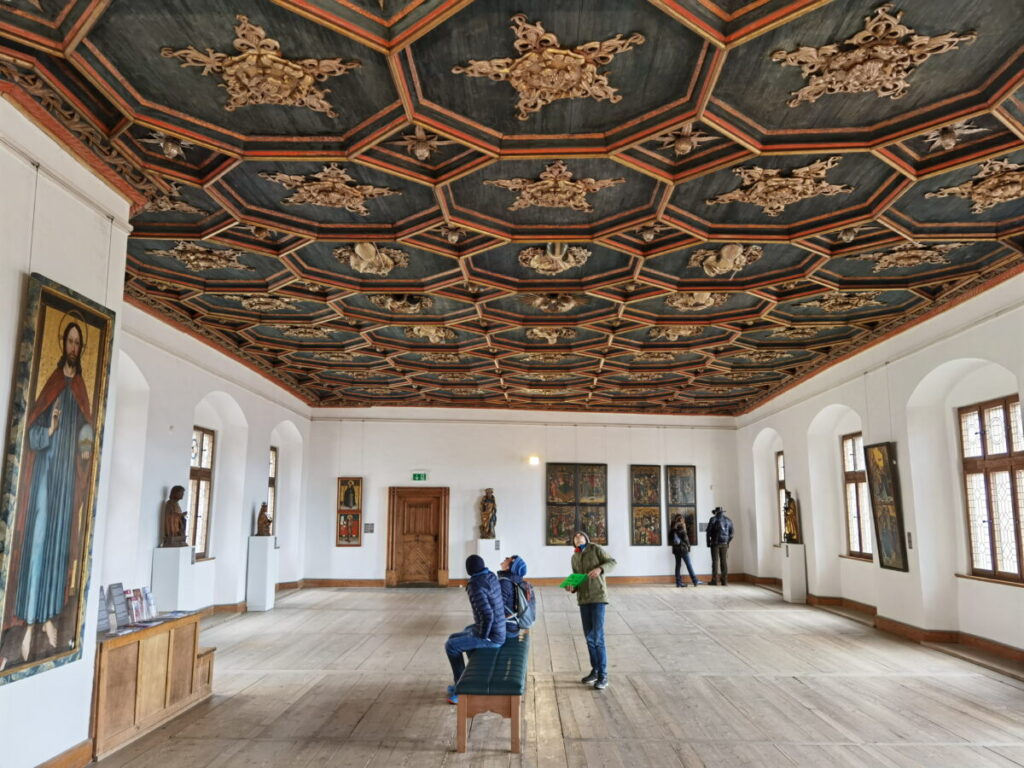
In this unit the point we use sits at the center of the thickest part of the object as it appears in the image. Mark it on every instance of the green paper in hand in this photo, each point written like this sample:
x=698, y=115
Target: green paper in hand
x=574, y=580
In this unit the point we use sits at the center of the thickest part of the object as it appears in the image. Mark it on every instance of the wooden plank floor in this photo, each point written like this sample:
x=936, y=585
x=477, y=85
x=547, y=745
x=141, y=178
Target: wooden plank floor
x=699, y=677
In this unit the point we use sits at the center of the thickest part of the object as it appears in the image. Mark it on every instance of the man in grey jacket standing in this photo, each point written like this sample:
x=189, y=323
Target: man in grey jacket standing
x=719, y=533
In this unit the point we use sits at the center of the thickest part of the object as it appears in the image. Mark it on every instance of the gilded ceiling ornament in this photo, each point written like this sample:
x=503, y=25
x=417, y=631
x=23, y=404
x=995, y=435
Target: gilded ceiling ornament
x=452, y=234
x=761, y=356
x=651, y=356
x=260, y=233
x=310, y=286
x=440, y=357
x=768, y=188
x=378, y=391
x=198, y=257
x=259, y=74
x=909, y=255
x=369, y=259
x=362, y=375
x=435, y=334
x=878, y=59
x=683, y=140
x=469, y=391
x=547, y=376
x=544, y=73
x=543, y=357
x=304, y=331
x=731, y=257
x=421, y=144
x=644, y=376
x=550, y=335
x=455, y=376
x=258, y=302
x=836, y=301
x=650, y=231
x=335, y=357
x=795, y=332
x=739, y=375
x=170, y=202
x=172, y=147
x=849, y=234
x=998, y=181
x=695, y=300
x=554, y=258
x=555, y=188
x=402, y=303
x=674, y=333
x=161, y=285
x=948, y=136
x=330, y=187
x=554, y=302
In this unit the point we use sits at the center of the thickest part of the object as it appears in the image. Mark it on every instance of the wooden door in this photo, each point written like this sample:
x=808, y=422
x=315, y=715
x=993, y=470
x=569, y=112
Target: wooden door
x=417, y=536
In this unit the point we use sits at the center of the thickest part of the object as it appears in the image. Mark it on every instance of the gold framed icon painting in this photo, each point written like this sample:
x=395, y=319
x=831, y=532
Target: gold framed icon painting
x=645, y=504
x=681, y=496
x=577, y=500
x=51, y=470
x=886, y=509
x=349, y=531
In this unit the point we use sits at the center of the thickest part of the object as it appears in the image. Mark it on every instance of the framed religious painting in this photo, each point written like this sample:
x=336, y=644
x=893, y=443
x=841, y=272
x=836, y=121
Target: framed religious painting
x=645, y=504
x=349, y=512
x=51, y=469
x=593, y=483
x=561, y=524
x=561, y=483
x=681, y=496
x=594, y=521
x=577, y=497
x=886, y=508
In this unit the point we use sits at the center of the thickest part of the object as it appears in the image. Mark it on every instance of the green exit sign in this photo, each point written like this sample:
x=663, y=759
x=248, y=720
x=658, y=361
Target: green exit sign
x=419, y=476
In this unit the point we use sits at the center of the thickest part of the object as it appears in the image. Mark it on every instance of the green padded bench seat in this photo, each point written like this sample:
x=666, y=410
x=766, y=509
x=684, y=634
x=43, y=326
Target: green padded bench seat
x=494, y=681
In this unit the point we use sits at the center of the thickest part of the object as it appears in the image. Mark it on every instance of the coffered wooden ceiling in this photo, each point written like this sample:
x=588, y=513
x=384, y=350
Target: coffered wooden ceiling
x=674, y=206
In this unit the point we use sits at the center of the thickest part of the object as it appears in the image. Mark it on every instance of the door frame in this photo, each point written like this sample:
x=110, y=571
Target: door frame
x=394, y=540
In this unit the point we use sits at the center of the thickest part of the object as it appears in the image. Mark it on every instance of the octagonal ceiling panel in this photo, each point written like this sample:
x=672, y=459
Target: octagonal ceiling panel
x=740, y=265
x=550, y=267
x=371, y=267
x=846, y=306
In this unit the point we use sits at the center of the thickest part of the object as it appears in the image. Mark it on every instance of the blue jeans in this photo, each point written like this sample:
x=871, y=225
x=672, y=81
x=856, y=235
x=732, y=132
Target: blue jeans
x=592, y=615
x=464, y=642
x=684, y=557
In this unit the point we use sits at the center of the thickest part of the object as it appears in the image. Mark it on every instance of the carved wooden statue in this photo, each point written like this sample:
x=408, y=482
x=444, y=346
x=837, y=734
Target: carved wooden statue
x=264, y=523
x=791, y=514
x=488, y=514
x=175, y=530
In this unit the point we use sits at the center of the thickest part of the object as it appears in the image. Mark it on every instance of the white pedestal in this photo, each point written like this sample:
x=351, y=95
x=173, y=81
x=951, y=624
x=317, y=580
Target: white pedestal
x=794, y=573
x=261, y=576
x=173, y=579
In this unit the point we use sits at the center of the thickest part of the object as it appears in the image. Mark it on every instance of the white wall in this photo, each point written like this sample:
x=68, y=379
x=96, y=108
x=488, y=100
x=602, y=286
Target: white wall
x=904, y=390
x=57, y=219
x=468, y=452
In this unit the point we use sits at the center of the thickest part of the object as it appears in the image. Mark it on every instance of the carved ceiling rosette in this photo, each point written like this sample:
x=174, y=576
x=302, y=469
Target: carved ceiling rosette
x=554, y=258
x=421, y=144
x=645, y=376
x=259, y=302
x=998, y=181
x=435, y=334
x=330, y=187
x=170, y=202
x=542, y=357
x=369, y=259
x=544, y=72
x=555, y=188
x=948, y=136
x=402, y=303
x=769, y=189
x=683, y=140
x=878, y=59
x=259, y=74
x=761, y=356
x=547, y=376
x=685, y=301
x=335, y=357
x=650, y=356
x=836, y=301
x=439, y=357
x=550, y=335
x=909, y=255
x=305, y=331
x=795, y=332
x=198, y=257
x=554, y=303
x=455, y=377
x=731, y=257
x=674, y=333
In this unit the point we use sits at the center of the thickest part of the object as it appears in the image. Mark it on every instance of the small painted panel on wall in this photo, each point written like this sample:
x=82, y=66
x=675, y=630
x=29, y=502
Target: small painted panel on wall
x=349, y=512
x=51, y=468
x=681, y=493
x=645, y=504
x=886, y=507
x=577, y=497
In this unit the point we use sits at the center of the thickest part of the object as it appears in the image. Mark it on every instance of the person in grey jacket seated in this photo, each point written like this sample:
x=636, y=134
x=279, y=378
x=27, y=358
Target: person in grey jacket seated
x=488, y=627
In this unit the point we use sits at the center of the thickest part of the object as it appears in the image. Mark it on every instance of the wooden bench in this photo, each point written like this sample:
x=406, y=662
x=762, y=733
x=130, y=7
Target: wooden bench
x=494, y=681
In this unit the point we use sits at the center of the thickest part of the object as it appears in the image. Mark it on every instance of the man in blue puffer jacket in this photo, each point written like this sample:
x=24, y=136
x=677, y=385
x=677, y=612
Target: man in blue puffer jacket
x=513, y=571
x=488, y=627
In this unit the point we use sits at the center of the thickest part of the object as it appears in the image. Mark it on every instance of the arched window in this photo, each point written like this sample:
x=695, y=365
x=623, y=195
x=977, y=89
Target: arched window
x=200, y=489
x=858, y=505
x=780, y=492
x=272, y=485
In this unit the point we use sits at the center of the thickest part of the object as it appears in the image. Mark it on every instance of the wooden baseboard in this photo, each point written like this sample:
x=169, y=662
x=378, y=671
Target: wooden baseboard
x=917, y=634
x=999, y=649
x=78, y=756
x=768, y=581
x=842, y=602
x=281, y=586
x=231, y=607
x=315, y=583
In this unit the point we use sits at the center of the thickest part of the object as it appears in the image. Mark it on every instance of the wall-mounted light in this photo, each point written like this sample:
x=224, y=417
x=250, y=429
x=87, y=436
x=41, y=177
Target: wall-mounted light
x=533, y=461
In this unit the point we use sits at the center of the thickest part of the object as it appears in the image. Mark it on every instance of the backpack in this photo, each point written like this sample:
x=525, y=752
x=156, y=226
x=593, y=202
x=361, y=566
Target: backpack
x=526, y=604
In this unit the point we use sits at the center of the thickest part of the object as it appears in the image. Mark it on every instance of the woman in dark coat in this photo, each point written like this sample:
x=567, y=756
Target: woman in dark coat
x=680, y=542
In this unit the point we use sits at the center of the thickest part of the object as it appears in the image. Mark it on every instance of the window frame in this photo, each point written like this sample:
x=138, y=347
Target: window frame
x=1011, y=462
x=856, y=477
x=196, y=475
x=780, y=494
x=272, y=481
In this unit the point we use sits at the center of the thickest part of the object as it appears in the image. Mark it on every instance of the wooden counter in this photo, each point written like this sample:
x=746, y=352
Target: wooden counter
x=146, y=677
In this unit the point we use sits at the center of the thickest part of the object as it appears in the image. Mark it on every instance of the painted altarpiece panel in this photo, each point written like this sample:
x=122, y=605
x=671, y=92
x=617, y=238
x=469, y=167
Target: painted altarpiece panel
x=349, y=529
x=681, y=496
x=645, y=504
x=886, y=507
x=577, y=499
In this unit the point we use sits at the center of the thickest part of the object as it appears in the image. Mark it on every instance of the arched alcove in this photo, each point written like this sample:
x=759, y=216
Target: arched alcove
x=288, y=523
x=767, y=443
x=824, y=511
x=130, y=530
x=935, y=469
x=230, y=520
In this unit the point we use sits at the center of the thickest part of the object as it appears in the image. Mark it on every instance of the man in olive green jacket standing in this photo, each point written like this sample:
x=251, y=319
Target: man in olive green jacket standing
x=592, y=596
